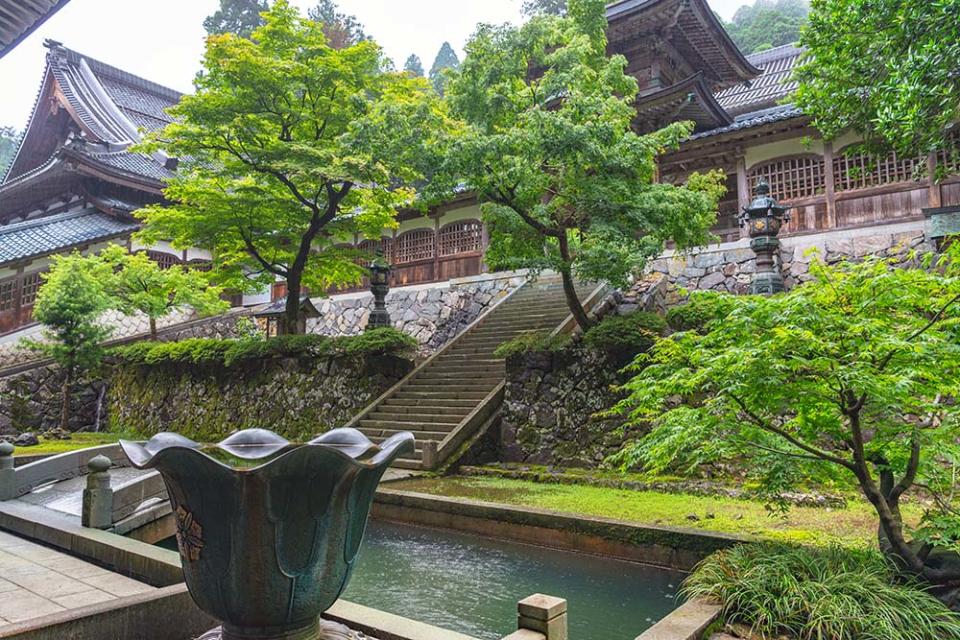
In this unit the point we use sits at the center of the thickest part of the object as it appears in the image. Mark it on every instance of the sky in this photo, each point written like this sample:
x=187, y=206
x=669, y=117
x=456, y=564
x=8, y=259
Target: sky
x=163, y=41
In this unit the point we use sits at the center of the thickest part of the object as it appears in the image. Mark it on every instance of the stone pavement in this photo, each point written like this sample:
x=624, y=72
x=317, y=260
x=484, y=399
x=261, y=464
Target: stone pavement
x=36, y=581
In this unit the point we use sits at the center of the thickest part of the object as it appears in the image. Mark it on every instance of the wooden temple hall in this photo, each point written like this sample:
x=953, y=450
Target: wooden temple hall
x=74, y=183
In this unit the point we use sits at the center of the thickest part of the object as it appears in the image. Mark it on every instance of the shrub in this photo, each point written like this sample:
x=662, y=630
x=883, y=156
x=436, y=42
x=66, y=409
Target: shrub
x=703, y=308
x=532, y=342
x=819, y=593
x=229, y=352
x=633, y=333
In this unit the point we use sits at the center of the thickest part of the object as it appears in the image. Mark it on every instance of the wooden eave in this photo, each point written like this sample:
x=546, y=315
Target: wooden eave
x=689, y=99
x=693, y=30
x=20, y=18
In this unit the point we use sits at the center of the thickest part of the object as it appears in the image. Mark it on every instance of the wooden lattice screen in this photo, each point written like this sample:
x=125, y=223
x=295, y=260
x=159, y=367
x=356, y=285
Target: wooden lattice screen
x=29, y=287
x=199, y=264
x=460, y=237
x=413, y=246
x=859, y=171
x=7, y=289
x=791, y=178
x=371, y=246
x=164, y=259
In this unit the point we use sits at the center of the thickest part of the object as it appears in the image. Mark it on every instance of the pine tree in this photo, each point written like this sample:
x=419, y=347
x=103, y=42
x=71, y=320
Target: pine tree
x=446, y=59
x=342, y=30
x=413, y=66
x=236, y=16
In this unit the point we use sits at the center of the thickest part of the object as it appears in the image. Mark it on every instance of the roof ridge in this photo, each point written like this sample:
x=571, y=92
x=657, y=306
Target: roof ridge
x=775, y=53
x=115, y=73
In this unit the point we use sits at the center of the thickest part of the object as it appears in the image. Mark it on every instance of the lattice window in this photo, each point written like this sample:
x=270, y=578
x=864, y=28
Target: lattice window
x=460, y=237
x=28, y=288
x=371, y=246
x=7, y=288
x=859, y=171
x=948, y=158
x=199, y=264
x=413, y=246
x=164, y=259
x=791, y=178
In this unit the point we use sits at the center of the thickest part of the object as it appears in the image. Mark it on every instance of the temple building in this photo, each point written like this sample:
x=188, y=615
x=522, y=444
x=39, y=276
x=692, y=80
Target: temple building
x=74, y=182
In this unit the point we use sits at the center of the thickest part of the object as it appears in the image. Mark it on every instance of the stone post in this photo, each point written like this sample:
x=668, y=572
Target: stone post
x=541, y=617
x=429, y=454
x=98, y=496
x=7, y=473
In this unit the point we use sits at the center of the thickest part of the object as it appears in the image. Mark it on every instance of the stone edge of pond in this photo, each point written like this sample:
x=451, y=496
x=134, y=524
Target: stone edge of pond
x=686, y=622
x=667, y=547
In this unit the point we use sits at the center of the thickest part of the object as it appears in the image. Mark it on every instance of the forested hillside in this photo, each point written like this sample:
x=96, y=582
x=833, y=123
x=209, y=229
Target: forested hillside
x=768, y=23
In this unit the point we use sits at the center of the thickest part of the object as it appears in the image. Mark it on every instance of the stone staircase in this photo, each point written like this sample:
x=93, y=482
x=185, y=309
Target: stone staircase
x=456, y=389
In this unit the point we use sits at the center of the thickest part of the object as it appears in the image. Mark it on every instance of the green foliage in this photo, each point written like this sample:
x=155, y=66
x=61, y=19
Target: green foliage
x=342, y=30
x=236, y=16
x=69, y=305
x=136, y=283
x=532, y=342
x=813, y=594
x=845, y=374
x=211, y=351
x=886, y=69
x=768, y=23
x=413, y=66
x=565, y=182
x=8, y=147
x=703, y=308
x=446, y=60
x=288, y=145
x=630, y=334
x=544, y=7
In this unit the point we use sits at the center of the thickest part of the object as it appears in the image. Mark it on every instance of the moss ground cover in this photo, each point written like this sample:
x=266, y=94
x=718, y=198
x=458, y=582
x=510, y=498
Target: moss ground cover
x=854, y=526
x=78, y=441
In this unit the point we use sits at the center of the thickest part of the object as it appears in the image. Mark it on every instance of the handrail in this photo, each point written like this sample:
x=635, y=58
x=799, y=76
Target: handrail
x=410, y=376
x=570, y=323
x=127, y=498
x=60, y=467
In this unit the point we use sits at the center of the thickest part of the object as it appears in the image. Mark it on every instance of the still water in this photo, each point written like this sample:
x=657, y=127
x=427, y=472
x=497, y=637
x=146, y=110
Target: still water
x=471, y=584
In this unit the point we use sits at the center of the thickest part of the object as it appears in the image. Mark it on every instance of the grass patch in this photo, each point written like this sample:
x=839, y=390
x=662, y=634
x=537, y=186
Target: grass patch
x=78, y=441
x=854, y=526
x=814, y=594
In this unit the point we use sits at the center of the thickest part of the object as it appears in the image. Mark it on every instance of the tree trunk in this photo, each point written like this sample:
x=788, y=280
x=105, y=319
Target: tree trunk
x=569, y=287
x=153, y=328
x=290, y=324
x=65, y=394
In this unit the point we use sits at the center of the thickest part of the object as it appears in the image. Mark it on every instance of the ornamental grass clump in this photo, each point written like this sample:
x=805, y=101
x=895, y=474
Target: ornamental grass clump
x=819, y=594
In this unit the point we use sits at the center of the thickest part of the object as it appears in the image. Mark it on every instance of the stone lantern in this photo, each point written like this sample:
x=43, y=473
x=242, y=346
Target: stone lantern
x=765, y=216
x=379, y=286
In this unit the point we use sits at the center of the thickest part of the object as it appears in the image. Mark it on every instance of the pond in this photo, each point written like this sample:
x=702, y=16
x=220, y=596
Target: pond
x=471, y=584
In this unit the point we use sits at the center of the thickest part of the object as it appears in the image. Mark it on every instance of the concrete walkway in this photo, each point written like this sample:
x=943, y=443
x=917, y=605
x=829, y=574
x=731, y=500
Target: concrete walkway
x=37, y=581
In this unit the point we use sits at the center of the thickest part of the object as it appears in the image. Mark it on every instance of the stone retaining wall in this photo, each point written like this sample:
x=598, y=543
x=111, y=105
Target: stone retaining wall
x=549, y=405
x=433, y=314
x=296, y=397
x=31, y=401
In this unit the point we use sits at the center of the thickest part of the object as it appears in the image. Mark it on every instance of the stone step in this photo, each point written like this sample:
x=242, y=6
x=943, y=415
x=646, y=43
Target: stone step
x=397, y=425
x=432, y=394
x=452, y=390
x=439, y=405
x=408, y=463
x=436, y=407
x=437, y=369
x=379, y=435
x=384, y=414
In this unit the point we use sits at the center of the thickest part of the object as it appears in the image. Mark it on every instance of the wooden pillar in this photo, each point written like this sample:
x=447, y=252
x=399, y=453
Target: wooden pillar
x=935, y=193
x=436, y=247
x=743, y=191
x=830, y=184
x=18, y=299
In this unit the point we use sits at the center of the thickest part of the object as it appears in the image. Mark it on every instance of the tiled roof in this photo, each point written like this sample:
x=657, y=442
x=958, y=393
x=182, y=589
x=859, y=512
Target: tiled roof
x=19, y=18
x=135, y=163
x=754, y=119
x=56, y=233
x=774, y=84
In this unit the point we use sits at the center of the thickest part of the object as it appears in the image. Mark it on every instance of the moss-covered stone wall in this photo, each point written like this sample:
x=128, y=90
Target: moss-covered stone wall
x=298, y=397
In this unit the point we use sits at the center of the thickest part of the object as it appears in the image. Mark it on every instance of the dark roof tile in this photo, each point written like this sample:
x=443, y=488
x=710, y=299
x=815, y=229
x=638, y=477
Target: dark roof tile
x=56, y=233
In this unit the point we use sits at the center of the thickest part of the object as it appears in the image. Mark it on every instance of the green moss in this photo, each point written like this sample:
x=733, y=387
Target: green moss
x=78, y=441
x=630, y=334
x=533, y=342
x=854, y=526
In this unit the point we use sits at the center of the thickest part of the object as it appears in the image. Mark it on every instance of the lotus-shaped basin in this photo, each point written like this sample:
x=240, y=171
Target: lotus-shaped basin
x=268, y=531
